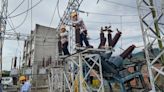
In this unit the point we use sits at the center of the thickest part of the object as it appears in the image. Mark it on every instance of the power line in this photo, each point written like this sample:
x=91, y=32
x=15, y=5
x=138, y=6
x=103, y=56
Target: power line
x=58, y=10
x=100, y=22
x=124, y=5
x=12, y=26
x=16, y=8
x=14, y=29
x=54, y=13
x=56, y=7
x=26, y=10
x=31, y=15
x=105, y=14
x=22, y=21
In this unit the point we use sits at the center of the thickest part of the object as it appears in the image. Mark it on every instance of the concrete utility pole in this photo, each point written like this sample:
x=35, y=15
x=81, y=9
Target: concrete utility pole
x=3, y=17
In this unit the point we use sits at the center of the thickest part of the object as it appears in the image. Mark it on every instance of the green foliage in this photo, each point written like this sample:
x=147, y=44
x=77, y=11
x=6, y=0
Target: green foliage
x=5, y=73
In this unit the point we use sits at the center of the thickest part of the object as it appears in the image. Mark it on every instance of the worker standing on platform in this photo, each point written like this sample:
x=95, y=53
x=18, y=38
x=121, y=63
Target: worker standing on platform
x=26, y=85
x=80, y=30
x=64, y=40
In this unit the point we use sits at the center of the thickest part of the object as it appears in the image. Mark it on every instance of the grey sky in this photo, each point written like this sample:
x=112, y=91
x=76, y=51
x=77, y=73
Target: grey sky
x=42, y=14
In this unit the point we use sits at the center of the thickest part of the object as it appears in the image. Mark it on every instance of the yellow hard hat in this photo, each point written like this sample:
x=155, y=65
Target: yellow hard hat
x=73, y=14
x=22, y=78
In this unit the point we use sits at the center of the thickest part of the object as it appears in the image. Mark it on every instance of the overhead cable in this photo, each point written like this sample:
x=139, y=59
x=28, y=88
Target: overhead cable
x=26, y=10
x=54, y=13
x=16, y=8
x=124, y=5
x=25, y=18
x=104, y=14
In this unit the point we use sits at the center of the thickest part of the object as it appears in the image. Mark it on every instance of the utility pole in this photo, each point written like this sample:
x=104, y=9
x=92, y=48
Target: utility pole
x=3, y=17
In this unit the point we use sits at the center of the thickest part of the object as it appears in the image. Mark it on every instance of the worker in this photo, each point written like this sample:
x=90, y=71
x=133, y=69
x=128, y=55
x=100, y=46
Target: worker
x=64, y=40
x=81, y=31
x=26, y=85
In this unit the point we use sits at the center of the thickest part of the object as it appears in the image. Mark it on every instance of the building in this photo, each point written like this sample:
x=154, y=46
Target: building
x=40, y=50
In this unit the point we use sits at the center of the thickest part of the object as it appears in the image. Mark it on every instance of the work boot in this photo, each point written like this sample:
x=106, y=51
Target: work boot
x=78, y=45
x=102, y=47
x=90, y=46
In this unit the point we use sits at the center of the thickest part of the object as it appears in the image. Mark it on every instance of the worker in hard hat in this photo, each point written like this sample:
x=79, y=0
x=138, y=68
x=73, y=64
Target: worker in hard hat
x=64, y=39
x=26, y=85
x=79, y=25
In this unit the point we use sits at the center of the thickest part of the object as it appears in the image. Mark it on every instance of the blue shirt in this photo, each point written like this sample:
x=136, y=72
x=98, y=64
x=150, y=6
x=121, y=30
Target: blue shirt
x=26, y=87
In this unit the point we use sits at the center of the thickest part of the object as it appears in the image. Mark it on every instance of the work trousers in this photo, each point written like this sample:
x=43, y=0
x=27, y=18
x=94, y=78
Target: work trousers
x=65, y=48
x=80, y=37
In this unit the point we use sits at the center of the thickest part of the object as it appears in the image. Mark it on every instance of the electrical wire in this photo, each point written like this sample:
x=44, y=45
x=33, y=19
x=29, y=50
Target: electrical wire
x=31, y=15
x=54, y=13
x=56, y=7
x=16, y=8
x=105, y=14
x=12, y=27
x=26, y=10
x=59, y=11
x=120, y=4
x=25, y=18
x=100, y=22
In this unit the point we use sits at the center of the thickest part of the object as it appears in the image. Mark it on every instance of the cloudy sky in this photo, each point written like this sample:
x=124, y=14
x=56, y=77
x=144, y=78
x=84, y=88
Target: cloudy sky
x=118, y=14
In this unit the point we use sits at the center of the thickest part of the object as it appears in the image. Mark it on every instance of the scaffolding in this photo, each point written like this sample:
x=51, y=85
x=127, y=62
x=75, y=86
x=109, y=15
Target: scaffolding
x=55, y=79
x=151, y=17
x=77, y=70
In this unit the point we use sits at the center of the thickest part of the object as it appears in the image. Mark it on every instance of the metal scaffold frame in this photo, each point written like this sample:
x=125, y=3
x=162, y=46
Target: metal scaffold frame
x=3, y=17
x=151, y=17
x=75, y=77
x=55, y=76
x=73, y=5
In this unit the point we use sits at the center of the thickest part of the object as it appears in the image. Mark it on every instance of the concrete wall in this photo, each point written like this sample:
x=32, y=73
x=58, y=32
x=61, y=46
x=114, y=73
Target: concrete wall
x=45, y=43
x=45, y=46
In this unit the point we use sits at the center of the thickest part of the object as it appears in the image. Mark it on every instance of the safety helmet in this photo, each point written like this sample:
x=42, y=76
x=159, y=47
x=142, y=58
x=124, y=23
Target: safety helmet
x=22, y=78
x=74, y=13
x=63, y=28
